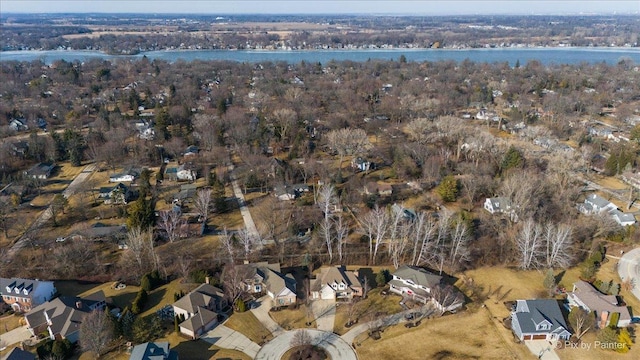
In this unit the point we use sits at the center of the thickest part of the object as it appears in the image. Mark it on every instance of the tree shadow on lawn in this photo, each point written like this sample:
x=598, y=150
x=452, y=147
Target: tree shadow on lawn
x=155, y=297
x=196, y=350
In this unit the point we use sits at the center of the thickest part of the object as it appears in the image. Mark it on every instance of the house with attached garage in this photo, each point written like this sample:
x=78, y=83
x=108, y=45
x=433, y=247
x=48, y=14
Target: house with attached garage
x=153, y=351
x=62, y=317
x=127, y=176
x=336, y=282
x=414, y=282
x=594, y=204
x=24, y=294
x=539, y=319
x=19, y=354
x=584, y=295
x=40, y=171
x=200, y=309
x=119, y=194
x=267, y=278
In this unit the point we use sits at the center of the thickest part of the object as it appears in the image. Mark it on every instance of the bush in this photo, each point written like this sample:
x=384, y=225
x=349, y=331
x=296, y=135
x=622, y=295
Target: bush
x=240, y=306
x=138, y=303
x=448, y=189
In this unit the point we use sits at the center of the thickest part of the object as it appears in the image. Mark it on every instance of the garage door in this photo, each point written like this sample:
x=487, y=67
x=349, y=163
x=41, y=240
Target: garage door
x=538, y=337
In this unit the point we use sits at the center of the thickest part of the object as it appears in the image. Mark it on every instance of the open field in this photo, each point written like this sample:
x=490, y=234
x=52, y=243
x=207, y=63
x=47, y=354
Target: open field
x=247, y=324
x=467, y=335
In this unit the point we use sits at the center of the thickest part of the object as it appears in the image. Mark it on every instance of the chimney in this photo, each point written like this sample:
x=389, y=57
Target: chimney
x=79, y=304
x=207, y=280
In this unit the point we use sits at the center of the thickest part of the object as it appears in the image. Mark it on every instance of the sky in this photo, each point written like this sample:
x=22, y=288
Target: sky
x=378, y=7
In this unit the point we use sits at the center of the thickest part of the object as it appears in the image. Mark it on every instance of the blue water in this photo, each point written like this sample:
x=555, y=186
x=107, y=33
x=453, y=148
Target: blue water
x=546, y=56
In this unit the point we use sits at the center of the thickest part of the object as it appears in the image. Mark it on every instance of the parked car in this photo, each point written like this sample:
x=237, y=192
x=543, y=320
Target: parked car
x=61, y=239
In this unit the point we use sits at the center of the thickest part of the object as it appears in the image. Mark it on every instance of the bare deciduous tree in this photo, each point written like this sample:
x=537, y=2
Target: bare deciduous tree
x=348, y=142
x=581, y=321
x=202, y=202
x=140, y=250
x=341, y=231
x=172, y=222
x=300, y=338
x=226, y=239
x=559, y=245
x=446, y=298
x=529, y=244
x=375, y=224
x=96, y=332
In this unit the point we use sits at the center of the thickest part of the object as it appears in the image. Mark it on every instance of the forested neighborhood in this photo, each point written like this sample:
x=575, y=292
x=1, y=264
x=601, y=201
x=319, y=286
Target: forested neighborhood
x=220, y=209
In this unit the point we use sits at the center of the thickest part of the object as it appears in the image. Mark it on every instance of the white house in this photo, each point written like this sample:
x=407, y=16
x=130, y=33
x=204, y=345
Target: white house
x=267, y=278
x=497, y=205
x=185, y=174
x=623, y=219
x=122, y=177
x=414, y=282
x=584, y=295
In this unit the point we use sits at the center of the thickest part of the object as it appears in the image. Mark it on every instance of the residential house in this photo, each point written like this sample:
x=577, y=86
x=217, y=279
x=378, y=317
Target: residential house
x=414, y=282
x=18, y=125
x=497, y=205
x=40, y=171
x=191, y=150
x=623, y=219
x=127, y=176
x=23, y=294
x=61, y=317
x=361, y=164
x=171, y=173
x=42, y=124
x=584, y=295
x=119, y=194
x=20, y=148
x=100, y=231
x=200, y=309
x=19, y=354
x=153, y=351
x=285, y=192
x=262, y=277
x=594, y=204
x=539, y=319
x=186, y=172
x=335, y=282
x=407, y=214
x=186, y=194
x=373, y=188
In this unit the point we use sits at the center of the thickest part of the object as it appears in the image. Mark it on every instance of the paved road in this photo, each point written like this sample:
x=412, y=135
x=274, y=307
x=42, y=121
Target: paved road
x=629, y=269
x=336, y=347
x=324, y=311
x=46, y=214
x=227, y=338
x=249, y=224
x=15, y=336
x=262, y=314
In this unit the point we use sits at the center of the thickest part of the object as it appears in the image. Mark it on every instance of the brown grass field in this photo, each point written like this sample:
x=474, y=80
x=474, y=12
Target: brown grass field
x=293, y=318
x=247, y=324
x=374, y=303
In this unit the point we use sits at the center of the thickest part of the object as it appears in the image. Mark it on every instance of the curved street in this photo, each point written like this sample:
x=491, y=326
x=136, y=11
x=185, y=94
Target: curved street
x=335, y=346
x=629, y=269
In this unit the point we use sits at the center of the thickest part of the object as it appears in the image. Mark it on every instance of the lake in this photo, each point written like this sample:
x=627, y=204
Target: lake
x=546, y=56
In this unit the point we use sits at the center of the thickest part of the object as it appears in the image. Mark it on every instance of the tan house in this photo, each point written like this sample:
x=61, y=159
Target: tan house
x=373, y=188
x=584, y=295
x=62, y=317
x=200, y=309
x=267, y=278
x=336, y=282
x=23, y=294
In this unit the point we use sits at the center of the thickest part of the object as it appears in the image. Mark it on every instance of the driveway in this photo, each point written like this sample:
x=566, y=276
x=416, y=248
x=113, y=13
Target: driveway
x=262, y=314
x=542, y=349
x=14, y=336
x=330, y=342
x=227, y=338
x=324, y=311
x=629, y=269
x=46, y=215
